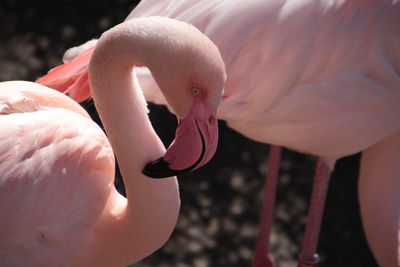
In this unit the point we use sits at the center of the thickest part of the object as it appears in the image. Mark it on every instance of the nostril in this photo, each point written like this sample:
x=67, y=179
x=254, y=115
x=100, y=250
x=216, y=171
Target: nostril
x=211, y=120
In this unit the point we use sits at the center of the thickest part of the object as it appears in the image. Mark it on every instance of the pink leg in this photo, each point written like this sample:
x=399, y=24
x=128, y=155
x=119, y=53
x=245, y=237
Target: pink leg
x=262, y=256
x=308, y=254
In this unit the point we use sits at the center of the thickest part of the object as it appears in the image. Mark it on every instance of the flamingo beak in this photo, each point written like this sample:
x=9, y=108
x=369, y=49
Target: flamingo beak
x=195, y=143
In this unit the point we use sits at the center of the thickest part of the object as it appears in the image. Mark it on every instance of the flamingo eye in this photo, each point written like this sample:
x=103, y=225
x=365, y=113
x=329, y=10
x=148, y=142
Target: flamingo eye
x=196, y=91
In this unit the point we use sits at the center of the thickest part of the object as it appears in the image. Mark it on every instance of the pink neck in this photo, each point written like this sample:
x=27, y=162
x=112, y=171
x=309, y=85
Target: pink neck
x=147, y=219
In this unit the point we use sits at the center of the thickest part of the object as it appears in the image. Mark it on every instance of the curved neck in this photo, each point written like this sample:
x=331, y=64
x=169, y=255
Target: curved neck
x=120, y=102
x=152, y=208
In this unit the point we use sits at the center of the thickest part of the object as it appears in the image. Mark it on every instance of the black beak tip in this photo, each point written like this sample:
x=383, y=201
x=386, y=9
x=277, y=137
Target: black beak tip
x=159, y=169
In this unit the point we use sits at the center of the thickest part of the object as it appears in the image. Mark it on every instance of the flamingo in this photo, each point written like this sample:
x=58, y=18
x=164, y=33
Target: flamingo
x=319, y=77
x=57, y=199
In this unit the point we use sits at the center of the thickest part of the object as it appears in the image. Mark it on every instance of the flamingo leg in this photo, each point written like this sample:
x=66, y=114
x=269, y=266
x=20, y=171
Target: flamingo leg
x=262, y=256
x=308, y=254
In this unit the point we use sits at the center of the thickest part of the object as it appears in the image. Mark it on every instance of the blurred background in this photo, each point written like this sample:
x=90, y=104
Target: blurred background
x=221, y=201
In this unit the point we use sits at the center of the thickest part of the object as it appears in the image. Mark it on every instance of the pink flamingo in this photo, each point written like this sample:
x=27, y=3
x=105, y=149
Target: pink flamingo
x=57, y=199
x=320, y=77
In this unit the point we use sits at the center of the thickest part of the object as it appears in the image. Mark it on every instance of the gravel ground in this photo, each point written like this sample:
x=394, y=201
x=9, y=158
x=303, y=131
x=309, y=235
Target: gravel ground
x=221, y=202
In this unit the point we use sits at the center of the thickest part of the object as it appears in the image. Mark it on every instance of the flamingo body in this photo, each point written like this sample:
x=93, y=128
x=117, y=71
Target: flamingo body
x=55, y=162
x=300, y=70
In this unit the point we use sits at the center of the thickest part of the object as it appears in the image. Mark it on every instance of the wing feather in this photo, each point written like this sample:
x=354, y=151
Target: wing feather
x=56, y=175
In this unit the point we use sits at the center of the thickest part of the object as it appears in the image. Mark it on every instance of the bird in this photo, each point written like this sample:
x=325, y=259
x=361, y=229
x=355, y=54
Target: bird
x=58, y=203
x=319, y=77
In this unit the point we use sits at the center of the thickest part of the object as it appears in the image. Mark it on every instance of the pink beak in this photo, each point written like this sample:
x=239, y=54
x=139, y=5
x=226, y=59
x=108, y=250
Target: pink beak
x=195, y=143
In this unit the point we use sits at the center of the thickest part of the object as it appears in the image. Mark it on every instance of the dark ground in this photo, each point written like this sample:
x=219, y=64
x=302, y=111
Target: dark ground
x=220, y=202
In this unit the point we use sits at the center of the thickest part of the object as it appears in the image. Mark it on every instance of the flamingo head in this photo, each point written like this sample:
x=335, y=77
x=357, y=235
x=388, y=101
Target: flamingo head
x=193, y=86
